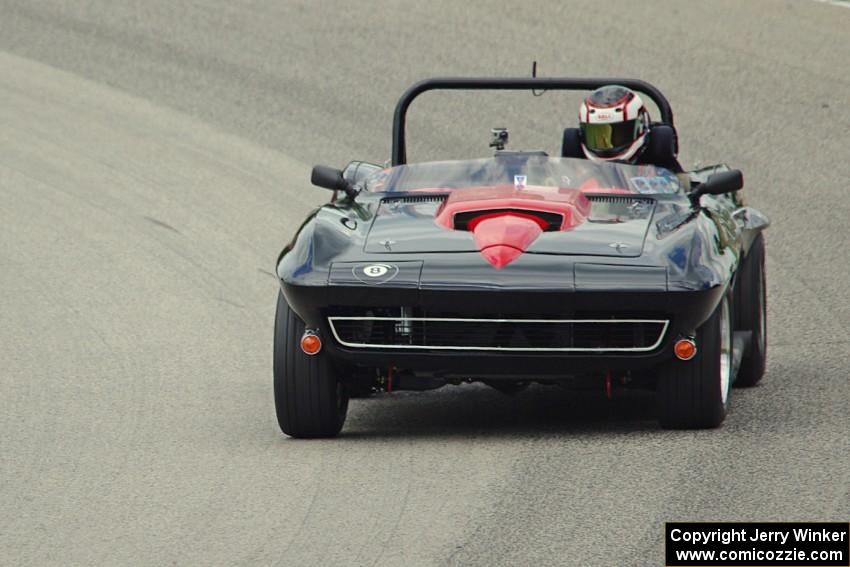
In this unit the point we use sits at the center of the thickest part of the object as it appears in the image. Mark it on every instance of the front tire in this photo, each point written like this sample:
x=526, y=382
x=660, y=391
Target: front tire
x=309, y=400
x=694, y=394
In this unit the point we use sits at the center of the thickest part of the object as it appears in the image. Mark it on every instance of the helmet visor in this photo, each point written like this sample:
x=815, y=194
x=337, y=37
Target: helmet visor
x=606, y=140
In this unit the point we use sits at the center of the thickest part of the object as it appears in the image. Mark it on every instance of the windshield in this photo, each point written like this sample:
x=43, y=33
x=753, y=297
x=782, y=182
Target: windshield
x=526, y=171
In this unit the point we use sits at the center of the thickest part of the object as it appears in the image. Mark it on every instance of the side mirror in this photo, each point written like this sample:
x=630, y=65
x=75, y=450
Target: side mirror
x=330, y=178
x=719, y=184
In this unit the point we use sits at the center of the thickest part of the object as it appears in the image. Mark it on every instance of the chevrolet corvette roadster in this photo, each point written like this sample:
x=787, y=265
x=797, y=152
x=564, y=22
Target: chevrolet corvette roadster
x=522, y=267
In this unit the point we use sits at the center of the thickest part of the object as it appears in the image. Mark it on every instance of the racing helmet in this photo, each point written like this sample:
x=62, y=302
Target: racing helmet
x=614, y=124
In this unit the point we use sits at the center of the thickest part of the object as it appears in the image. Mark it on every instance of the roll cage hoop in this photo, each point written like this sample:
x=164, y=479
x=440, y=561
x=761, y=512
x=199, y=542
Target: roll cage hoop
x=399, y=150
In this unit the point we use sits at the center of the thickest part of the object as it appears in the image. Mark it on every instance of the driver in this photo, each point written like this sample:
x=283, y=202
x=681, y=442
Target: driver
x=614, y=126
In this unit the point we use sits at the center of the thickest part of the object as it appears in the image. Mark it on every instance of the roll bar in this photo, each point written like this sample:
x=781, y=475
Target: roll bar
x=399, y=151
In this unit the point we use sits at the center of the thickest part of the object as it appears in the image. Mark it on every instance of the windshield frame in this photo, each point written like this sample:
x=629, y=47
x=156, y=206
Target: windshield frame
x=529, y=172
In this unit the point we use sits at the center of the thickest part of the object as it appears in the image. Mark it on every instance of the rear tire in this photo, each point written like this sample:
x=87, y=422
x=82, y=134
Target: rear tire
x=309, y=400
x=694, y=394
x=752, y=314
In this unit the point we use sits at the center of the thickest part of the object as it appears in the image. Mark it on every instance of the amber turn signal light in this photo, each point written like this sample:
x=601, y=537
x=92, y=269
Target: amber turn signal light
x=685, y=349
x=311, y=343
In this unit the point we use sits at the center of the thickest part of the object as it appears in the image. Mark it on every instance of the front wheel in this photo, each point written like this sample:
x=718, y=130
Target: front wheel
x=309, y=399
x=694, y=394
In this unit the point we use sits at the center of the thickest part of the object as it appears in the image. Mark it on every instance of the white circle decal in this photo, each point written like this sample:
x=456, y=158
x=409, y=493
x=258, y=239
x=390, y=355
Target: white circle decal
x=376, y=270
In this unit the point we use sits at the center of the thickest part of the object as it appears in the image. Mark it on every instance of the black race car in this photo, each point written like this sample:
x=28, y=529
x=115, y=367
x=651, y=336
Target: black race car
x=522, y=267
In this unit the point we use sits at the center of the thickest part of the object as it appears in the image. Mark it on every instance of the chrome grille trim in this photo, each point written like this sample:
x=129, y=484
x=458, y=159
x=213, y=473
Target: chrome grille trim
x=656, y=344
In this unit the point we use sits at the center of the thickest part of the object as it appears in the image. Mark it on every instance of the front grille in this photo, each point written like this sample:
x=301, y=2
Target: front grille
x=449, y=333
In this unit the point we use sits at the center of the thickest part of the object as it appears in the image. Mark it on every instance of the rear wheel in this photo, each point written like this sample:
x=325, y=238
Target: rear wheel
x=751, y=305
x=694, y=394
x=309, y=399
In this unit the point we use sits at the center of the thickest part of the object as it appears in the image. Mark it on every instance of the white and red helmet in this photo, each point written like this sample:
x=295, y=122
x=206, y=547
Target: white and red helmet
x=614, y=124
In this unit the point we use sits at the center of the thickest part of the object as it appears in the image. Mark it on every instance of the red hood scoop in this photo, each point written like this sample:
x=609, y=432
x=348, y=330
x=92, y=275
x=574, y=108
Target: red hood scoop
x=505, y=221
x=502, y=237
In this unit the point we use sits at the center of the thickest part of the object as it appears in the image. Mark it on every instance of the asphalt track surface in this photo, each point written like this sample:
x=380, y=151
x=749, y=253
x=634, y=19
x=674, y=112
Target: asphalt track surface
x=154, y=159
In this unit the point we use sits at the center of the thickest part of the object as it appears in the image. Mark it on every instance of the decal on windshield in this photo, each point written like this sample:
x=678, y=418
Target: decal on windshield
x=519, y=181
x=655, y=184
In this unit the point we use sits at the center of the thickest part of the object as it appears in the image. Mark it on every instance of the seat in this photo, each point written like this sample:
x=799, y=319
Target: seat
x=571, y=144
x=662, y=147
